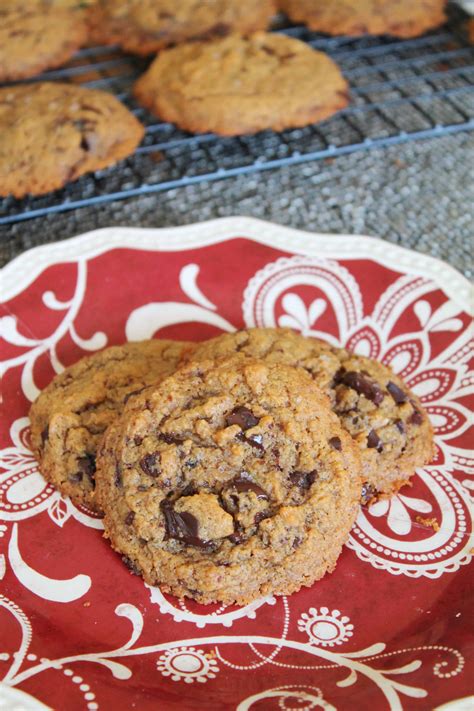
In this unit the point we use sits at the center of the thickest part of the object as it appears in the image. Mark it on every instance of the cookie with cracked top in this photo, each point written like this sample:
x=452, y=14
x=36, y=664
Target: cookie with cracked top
x=71, y=414
x=229, y=481
x=51, y=134
x=148, y=26
x=239, y=85
x=386, y=420
x=35, y=36
x=400, y=18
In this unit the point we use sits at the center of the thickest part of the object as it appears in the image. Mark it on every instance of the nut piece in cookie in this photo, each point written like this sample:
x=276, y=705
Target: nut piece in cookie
x=239, y=85
x=70, y=416
x=230, y=480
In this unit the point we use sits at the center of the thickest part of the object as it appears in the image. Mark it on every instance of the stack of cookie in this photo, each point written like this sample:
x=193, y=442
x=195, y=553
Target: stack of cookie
x=217, y=70
x=233, y=468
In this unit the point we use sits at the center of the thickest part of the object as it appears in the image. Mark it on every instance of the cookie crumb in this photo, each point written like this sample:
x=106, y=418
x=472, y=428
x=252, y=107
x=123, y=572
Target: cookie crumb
x=86, y=603
x=428, y=522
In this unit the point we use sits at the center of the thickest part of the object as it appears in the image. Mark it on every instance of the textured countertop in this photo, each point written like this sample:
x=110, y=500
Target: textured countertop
x=419, y=195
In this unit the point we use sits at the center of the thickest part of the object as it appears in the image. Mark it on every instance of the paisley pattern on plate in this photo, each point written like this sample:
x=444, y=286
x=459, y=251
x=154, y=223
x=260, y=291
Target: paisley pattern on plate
x=388, y=625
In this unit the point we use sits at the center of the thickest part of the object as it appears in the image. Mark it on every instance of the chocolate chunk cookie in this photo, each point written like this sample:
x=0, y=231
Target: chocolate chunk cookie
x=71, y=414
x=229, y=481
x=147, y=26
x=240, y=85
x=401, y=18
x=385, y=419
x=50, y=134
x=35, y=36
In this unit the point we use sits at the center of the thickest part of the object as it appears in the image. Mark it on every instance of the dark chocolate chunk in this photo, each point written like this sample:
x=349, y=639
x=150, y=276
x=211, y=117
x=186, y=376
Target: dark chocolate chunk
x=242, y=484
x=150, y=464
x=118, y=475
x=87, y=466
x=242, y=417
x=182, y=526
x=137, y=440
x=400, y=426
x=336, y=443
x=397, y=393
x=129, y=518
x=191, y=463
x=255, y=440
x=363, y=385
x=45, y=434
x=296, y=542
x=170, y=439
x=415, y=418
x=368, y=492
x=260, y=516
x=133, y=567
x=374, y=441
x=303, y=480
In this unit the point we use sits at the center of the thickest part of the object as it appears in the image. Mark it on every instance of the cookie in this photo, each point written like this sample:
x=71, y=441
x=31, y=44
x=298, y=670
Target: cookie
x=240, y=85
x=147, y=26
x=71, y=414
x=229, y=481
x=385, y=419
x=37, y=36
x=50, y=134
x=400, y=18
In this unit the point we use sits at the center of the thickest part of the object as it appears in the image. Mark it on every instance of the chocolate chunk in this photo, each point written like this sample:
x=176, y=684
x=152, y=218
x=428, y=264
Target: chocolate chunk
x=296, y=542
x=374, y=441
x=368, y=492
x=256, y=441
x=182, y=526
x=260, y=516
x=238, y=536
x=170, y=439
x=133, y=567
x=397, y=393
x=415, y=418
x=137, y=440
x=191, y=463
x=336, y=443
x=149, y=464
x=242, y=484
x=400, y=426
x=118, y=475
x=363, y=385
x=87, y=466
x=303, y=480
x=242, y=417
x=45, y=434
x=129, y=518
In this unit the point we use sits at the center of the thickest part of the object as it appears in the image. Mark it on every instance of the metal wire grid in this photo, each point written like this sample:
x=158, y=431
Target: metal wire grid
x=401, y=90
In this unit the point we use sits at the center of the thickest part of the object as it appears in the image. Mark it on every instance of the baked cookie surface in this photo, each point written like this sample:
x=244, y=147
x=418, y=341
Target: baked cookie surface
x=240, y=85
x=51, y=134
x=385, y=419
x=147, y=26
x=72, y=412
x=229, y=481
x=35, y=36
x=400, y=18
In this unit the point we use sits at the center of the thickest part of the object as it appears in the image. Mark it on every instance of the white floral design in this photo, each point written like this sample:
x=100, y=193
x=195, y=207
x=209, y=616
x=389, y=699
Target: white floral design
x=325, y=628
x=397, y=511
x=187, y=664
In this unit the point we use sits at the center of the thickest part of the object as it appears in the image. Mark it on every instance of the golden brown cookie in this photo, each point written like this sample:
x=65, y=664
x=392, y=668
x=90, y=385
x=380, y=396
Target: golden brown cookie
x=71, y=414
x=50, y=134
x=147, y=26
x=385, y=419
x=35, y=36
x=401, y=18
x=229, y=481
x=239, y=85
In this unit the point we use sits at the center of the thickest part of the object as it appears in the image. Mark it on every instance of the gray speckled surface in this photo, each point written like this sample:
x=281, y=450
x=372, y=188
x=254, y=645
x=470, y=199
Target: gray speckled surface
x=419, y=194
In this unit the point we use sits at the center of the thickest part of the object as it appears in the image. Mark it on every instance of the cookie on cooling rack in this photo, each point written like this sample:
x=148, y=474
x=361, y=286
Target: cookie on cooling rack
x=400, y=18
x=240, y=85
x=147, y=26
x=229, y=481
x=385, y=420
x=51, y=133
x=71, y=414
x=35, y=36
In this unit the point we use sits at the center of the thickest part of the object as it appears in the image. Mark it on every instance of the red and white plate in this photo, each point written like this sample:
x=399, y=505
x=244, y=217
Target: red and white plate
x=389, y=629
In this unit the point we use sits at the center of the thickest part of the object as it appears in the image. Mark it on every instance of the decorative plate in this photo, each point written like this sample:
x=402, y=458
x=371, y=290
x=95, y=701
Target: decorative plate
x=389, y=629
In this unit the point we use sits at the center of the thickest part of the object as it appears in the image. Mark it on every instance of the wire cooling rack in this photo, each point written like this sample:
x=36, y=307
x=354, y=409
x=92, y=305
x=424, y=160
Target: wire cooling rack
x=400, y=90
